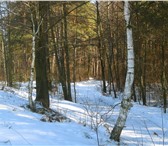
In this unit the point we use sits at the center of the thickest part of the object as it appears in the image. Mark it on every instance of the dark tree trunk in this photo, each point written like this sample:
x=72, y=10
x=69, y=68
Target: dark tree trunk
x=134, y=92
x=8, y=53
x=42, y=94
x=117, y=70
x=110, y=57
x=59, y=54
x=100, y=49
x=163, y=78
x=9, y=64
x=66, y=47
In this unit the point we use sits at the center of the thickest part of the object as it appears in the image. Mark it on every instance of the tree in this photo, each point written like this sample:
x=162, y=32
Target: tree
x=150, y=29
x=42, y=94
x=34, y=35
x=6, y=37
x=66, y=47
x=61, y=49
x=126, y=101
x=101, y=48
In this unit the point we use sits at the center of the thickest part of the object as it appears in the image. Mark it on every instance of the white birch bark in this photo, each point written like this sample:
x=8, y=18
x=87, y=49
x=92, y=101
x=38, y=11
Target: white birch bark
x=126, y=101
x=31, y=104
x=34, y=33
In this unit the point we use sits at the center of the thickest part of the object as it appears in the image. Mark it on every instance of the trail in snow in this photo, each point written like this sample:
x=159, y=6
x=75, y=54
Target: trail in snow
x=145, y=125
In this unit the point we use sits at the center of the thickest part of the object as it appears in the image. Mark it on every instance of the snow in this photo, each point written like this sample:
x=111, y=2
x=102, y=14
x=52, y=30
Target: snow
x=92, y=117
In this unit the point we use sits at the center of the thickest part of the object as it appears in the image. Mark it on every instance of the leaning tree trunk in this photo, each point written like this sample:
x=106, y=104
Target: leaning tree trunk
x=126, y=101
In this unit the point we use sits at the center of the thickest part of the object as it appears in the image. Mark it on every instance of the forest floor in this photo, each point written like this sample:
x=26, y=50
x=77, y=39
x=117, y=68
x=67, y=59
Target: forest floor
x=91, y=120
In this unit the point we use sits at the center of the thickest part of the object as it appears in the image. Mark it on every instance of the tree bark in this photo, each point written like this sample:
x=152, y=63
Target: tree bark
x=100, y=49
x=163, y=78
x=68, y=83
x=42, y=94
x=31, y=104
x=126, y=101
x=110, y=57
x=59, y=54
x=34, y=34
x=7, y=48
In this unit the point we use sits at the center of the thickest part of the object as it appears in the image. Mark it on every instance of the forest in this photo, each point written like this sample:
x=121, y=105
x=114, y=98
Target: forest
x=57, y=43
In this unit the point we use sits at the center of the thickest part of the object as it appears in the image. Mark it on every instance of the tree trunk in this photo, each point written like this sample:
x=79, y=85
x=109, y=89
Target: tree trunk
x=6, y=32
x=143, y=75
x=110, y=57
x=59, y=54
x=42, y=94
x=31, y=104
x=100, y=51
x=126, y=101
x=34, y=33
x=74, y=60
x=4, y=60
x=74, y=71
x=117, y=72
x=163, y=78
x=66, y=47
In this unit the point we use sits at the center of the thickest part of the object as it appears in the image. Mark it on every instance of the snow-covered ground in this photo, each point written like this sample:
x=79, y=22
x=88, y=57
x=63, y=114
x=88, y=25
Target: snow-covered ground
x=92, y=117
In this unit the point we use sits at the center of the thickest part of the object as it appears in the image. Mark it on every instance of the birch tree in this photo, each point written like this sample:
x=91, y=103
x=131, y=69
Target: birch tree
x=126, y=101
x=34, y=33
x=32, y=66
x=30, y=87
